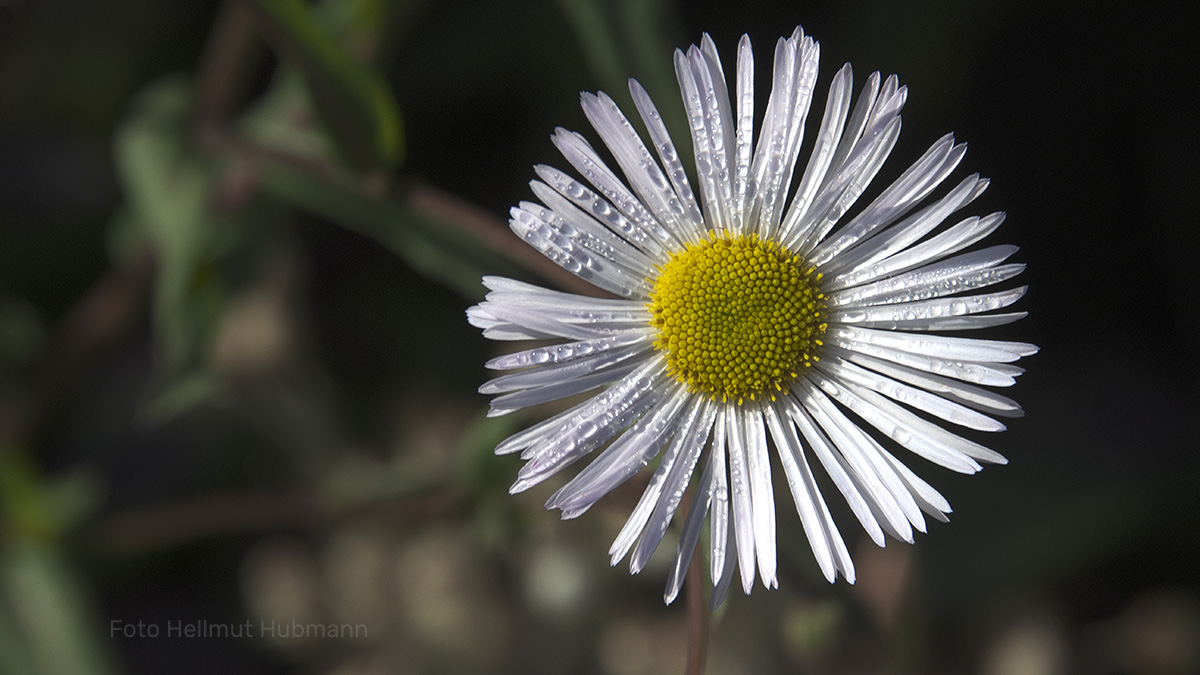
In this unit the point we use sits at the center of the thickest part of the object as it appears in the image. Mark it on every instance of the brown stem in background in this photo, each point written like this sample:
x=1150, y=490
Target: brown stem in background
x=105, y=314
x=223, y=67
x=492, y=232
x=164, y=526
x=698, y=614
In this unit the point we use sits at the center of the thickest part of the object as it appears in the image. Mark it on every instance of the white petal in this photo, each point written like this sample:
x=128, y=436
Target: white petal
x=976, y=397
x=572, y=223
x=720, y=525
x=931, y=403
x=931, y=501
x=689, y=536
x=745, y=189
x=569, y=308
x=562, y=372
x=721, y=585
x=952, y=240
x=580, y=154
x=922, y=437
x=900, y=314
x=865, y=113
x=575, y=258
x=954, y=275
x=601, y=418
x=854, y=448
x=873, y=414
x=712, y=141
x=901, y=235
x=941, y=346
x=644, y=174
x=868, y=355
x=569, y=351
x=847, y=183
x=835, y=465
x=857, y=161
x=503, y=405
x=837, y=106
x=692, y=220
x=529, y=295
x=963, y=322
x=691, y=426
x=650, y=241
x=495, y=329
x=762, y=495
x=823, y=537
x=740, y=495
x=628, y=455
x=678, y=475
x=545, y=323
x=794, y=77
x=911, y=187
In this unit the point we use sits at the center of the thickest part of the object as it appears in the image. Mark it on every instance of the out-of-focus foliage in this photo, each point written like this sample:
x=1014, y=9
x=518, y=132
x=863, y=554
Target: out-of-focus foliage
x=236, y=385
x=353, y=102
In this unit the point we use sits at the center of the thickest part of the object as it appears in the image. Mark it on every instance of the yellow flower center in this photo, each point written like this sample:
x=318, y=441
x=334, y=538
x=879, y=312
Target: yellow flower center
x=738, y=316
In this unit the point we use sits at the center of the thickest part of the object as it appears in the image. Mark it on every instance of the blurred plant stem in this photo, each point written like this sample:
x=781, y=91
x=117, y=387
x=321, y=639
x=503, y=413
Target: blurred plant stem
x=228, y=56
x=698, y=616
x=260, y=512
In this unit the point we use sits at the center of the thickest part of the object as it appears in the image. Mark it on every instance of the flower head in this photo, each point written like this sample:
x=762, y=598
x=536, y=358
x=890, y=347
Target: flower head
x=756, y=324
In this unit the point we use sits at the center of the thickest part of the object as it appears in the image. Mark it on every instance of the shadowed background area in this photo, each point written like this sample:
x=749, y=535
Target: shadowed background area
x=237, y=387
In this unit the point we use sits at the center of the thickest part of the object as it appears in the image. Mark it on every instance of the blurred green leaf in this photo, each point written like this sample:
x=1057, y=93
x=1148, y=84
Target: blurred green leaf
x=22, y=335
x=357, y=24
x=486, y=477
x=14, y=653
x=432, y=248
x=652, y=34
x=51, y=617
x=621, y=39
x=75, y=496
x=598, y=42
x=182, y=394
x=167, y=189
x=479, y=467
x=277, y=119
x=45, y=625
x=33, y=508
x=23, y=505
x=352, y=101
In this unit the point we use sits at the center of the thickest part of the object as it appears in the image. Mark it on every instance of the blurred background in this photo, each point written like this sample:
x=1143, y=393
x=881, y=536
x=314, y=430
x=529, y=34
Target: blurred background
x=237, y=386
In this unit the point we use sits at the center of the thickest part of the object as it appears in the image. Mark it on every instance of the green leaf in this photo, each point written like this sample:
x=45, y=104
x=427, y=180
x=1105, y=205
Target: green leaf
x=272, y=122
x=167, y=189
x=621, y=39
x=50, y=614
x=22, y=334
x=351, y=100
x=598, y=42
x=184, y=393
x=24, y=509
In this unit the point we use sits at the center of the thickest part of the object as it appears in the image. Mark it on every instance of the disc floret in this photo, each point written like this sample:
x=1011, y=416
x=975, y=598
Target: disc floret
x=738, y=316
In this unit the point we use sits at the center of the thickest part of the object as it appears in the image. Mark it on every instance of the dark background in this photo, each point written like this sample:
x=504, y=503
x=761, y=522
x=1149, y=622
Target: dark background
x=337, y=468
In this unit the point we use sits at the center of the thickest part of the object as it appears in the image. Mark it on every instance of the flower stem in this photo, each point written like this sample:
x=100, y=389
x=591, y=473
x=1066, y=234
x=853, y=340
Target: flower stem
x=697, y=618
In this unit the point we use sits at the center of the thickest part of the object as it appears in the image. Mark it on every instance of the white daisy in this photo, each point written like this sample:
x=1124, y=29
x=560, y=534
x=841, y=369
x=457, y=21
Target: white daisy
x=744, y=329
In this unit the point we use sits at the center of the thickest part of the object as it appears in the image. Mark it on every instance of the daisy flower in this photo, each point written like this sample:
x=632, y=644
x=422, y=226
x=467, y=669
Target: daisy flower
x=757, y=326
